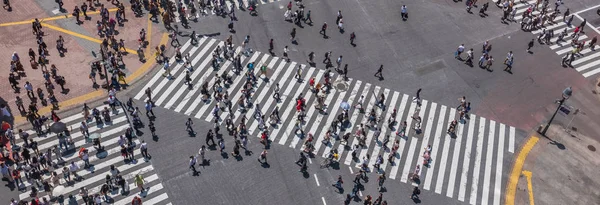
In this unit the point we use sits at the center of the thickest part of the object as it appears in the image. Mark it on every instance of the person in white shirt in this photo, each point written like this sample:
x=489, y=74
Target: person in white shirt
x=73, y=169
x=144, y=149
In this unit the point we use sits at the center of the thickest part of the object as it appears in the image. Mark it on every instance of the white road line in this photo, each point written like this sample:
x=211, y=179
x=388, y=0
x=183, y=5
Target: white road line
x=351, y=171
x=157, y=199
x=353, y=119
x=397, y=119
x=434, y=147
x=131, y=186
x=266, y=91
x=594, y=71
x=157, y=91
x=350, y=102
x=413, y=145
x=454, y=166
x=556, y=25
x=199, y=101
x=584, y=59
x=384, y=127
x=66, y=120
x=426, y=136
x=97, y=177
x=467, y=159
x=76, y=135
x=499, y=162
x=589, y=25
x=511, y=139
x=292, y=108
x=179, y=78
x=403, y=140
x=127, y=200
x=323, y=199
x=409, y=156
x=237, y=96
x=183, y=88
x=475, y=182
x=568, y=45
x=317, y=180
x=488, y=163
x=257, y=100
x=444, y=160
x=158, y=74
x=332, y=114
x=364, y=150
x=319, y=120
x=192, y=91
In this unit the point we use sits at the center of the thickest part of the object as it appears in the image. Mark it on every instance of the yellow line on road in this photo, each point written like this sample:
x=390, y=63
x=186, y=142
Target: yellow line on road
x=65, y=104
x=65, y=16
x=150, y=61
x=98, y=93
x=149, y=32
x=511, y=188
x=529, y=186
x=92, y=39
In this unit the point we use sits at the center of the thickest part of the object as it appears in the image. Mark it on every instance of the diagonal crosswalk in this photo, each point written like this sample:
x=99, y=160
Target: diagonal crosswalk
x=479, y=145
x=100, y=161
x=588, y=61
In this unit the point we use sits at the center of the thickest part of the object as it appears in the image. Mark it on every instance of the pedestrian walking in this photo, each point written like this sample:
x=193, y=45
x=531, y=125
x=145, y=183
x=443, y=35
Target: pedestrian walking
x=271, y=47
x=210, y=137
x=379, y=72
x=418, y=95
x=148, y=107
x=276, y=92
x=192, y=164
x=345, y=71
x=144, y=149
x=293, y=36
x=415, y=193
x=404, y=12
x=188, y=125
x=529, y=45
x=352, y=38
x=285, y=54
x=299, y=73
x=262, y=158
x=338, y=183
x=324, y=30
x=308, y=18
x=459, y=51
x=339, y=63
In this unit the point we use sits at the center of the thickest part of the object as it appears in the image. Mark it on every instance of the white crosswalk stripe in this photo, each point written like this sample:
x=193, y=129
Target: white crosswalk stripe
x=94, y=176
x=455, y=160
x=588, y=60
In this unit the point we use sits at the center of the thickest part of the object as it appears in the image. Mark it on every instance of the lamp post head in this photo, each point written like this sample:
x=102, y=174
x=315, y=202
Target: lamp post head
x=567, y=92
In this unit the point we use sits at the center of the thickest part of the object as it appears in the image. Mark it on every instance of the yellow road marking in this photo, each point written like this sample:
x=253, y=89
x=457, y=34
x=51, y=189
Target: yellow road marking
x=64, y=104
x=65, y=16
x=149, y=32
x=529, y=186
x=511, y=188
x=150, y=61
x=92, y=39
x=98, y=93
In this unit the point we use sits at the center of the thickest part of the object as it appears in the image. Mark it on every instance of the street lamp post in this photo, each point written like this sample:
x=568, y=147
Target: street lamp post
x=565, y=95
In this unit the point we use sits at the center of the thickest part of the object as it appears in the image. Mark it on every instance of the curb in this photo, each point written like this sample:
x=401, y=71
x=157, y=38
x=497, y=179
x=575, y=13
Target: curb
x=92, y=97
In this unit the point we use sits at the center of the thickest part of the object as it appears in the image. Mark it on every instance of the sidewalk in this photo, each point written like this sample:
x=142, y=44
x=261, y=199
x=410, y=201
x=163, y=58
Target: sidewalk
x=564, y=170
x=80, y=40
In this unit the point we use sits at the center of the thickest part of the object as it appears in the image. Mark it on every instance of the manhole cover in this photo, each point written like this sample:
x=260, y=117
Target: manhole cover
x=591, y=148
x=341, y=87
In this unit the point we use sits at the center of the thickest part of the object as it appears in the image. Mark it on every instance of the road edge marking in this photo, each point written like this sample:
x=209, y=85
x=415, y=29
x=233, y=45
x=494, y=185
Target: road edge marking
x=64, y=105
x=513, y=179
x=528, y=175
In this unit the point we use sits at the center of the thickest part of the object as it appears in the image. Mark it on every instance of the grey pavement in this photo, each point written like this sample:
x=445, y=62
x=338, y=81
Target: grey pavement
x=476, y=175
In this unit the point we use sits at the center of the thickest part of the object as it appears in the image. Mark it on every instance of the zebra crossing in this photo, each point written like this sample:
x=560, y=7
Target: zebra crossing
x=588, y=62
x=479, y=145
x=100, y=161
x=228, y=3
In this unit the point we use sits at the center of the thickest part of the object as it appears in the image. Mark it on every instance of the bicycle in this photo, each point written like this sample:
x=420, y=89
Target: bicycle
x=326, y=163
